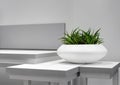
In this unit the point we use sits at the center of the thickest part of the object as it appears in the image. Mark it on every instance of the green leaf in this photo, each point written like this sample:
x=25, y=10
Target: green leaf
x=79, y=36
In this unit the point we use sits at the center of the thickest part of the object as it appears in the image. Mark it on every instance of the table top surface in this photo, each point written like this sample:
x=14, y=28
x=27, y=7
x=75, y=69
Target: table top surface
x=26, y=51
x=62, y=65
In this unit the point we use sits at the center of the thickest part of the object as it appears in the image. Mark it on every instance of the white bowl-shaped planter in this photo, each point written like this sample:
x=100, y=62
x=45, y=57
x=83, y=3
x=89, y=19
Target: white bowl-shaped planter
x=87, y=53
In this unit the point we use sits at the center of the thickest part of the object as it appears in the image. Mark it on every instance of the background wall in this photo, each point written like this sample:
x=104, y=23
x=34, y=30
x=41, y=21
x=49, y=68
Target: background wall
x=85, y=13
x=35, y=11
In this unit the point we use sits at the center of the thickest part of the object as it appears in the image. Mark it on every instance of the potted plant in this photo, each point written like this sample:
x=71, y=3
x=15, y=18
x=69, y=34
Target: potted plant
x=82, y=46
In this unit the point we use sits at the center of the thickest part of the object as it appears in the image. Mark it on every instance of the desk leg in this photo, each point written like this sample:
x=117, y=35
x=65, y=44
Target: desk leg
x=115, y=80
x=80, y=81
x=63, y=83
x=53, y=83
x=83, y=81
x=70, y=82
x=27, y=82
x=76, y=81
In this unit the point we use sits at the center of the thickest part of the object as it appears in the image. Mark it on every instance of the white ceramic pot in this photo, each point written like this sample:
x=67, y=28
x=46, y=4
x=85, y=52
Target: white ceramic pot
x=87, y=53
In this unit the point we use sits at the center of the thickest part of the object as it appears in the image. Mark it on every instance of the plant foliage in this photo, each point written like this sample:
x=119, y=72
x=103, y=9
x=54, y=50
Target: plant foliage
x=79, y=36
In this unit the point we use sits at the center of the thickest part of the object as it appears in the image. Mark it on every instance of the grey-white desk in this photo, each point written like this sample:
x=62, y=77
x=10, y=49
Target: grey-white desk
x=61, y=72
x=27, y=56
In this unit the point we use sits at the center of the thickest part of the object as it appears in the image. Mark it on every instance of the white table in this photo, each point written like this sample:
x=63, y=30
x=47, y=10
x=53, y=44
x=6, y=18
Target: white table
x=27, y=56
x=62, y=72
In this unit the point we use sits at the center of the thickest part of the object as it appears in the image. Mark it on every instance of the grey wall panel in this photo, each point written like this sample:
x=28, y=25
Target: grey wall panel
x=31, y=36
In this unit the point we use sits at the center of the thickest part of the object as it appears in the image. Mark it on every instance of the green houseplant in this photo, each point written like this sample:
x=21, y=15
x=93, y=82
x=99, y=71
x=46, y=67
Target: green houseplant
x=81, y=46
x=79, y=36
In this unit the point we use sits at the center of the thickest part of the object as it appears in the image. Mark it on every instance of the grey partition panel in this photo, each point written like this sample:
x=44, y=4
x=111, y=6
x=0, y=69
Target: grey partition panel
x=32, y=36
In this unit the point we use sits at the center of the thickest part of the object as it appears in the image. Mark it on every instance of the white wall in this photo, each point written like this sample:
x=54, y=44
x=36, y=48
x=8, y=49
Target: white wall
x=86, y=13
x=35, y=11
